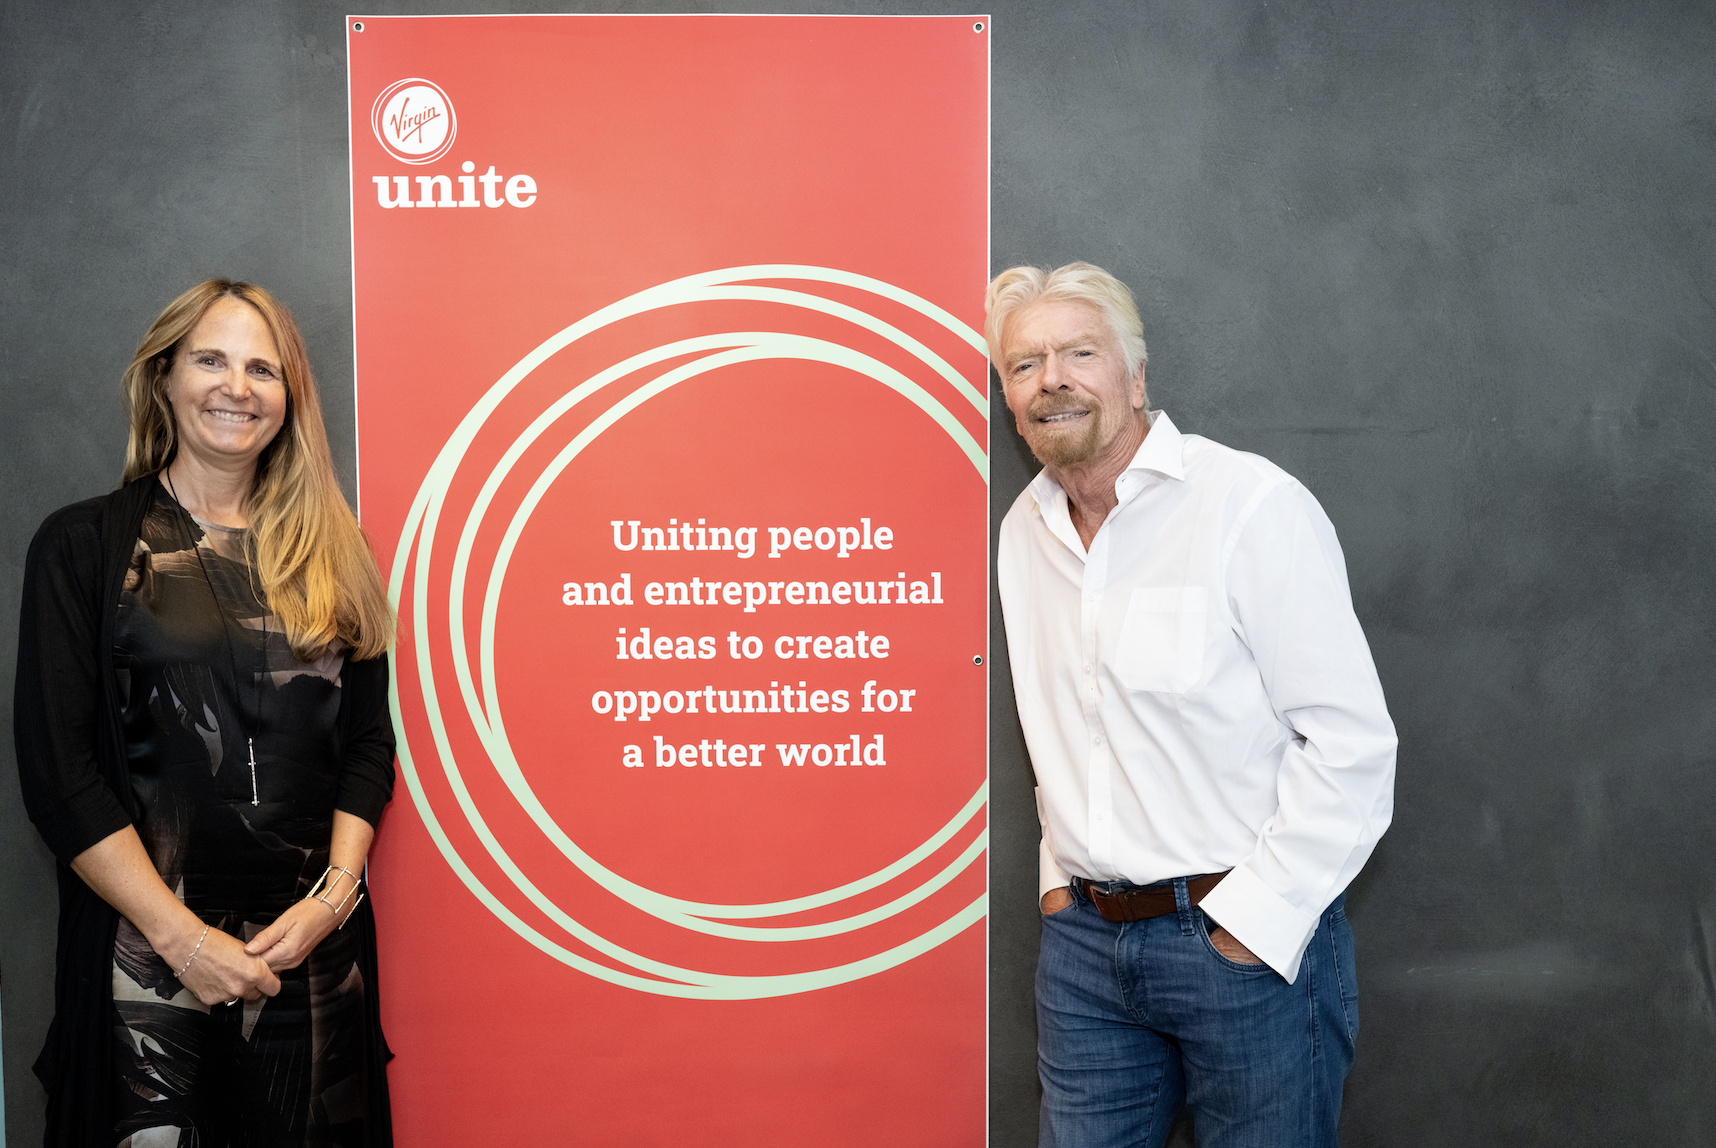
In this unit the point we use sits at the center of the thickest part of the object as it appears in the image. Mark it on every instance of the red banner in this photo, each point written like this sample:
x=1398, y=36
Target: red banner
x=672, y=443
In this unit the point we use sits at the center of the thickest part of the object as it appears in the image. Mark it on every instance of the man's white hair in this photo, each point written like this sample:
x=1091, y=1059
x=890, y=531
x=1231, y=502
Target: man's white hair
x=1019, y=287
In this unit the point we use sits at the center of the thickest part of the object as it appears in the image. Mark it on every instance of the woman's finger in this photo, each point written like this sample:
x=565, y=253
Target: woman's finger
x=282, y=956
x=266, y=939
x=260, y=981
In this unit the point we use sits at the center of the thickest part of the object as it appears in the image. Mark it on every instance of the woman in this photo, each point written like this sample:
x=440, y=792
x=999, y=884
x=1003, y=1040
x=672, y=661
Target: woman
x=204, y=742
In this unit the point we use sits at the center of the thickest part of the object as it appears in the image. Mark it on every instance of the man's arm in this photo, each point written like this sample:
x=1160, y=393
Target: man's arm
x=1287, y=587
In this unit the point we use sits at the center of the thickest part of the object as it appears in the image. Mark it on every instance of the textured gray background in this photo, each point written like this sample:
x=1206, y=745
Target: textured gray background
x=1450, y=263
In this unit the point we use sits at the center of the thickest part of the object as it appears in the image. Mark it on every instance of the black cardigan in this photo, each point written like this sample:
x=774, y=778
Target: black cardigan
x=77, y=790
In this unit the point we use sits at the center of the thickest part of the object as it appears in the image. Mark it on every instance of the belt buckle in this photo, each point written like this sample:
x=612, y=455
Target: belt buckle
x=1111, y=904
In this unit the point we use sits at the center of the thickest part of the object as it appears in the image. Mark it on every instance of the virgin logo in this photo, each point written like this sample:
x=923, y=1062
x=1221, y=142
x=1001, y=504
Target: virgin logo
x=414, y=121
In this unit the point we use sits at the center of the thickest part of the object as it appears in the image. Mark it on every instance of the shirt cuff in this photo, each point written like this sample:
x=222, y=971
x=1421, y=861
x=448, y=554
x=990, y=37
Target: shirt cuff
x=1261, y=920
x=1049, y=873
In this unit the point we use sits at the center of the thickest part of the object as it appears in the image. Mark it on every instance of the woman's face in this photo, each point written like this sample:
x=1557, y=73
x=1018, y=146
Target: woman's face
x=225, y=387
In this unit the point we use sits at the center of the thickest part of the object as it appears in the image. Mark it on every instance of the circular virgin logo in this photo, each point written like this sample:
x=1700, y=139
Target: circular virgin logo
x=414, y=121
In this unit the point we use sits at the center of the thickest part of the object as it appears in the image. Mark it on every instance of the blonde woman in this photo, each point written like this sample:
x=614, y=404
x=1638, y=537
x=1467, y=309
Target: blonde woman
x=204, y=742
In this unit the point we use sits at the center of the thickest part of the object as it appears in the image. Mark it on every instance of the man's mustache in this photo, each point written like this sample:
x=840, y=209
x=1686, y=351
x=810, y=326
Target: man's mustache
x=1049, y=405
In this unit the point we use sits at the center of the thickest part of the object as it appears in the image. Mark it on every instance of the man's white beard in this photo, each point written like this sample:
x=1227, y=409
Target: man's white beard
x=1065, y=447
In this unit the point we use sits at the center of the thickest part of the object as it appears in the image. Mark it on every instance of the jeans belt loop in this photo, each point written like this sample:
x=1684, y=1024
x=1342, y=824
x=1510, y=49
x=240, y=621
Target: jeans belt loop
x=1183, y=905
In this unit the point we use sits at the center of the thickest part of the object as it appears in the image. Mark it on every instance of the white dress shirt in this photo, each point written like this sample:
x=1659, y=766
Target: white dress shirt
x=1195, y=691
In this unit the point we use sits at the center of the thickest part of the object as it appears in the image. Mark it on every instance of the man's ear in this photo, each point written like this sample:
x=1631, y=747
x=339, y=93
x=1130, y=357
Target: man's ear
x=1140, y=396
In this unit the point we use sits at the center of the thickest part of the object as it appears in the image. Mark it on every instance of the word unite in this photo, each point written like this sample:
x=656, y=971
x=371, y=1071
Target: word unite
x=437, y=190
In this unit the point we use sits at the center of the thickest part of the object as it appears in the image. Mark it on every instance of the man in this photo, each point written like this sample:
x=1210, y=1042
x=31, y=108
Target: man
x=1214, y=758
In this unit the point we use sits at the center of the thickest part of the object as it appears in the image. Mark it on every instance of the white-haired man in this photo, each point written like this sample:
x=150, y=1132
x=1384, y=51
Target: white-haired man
x=1214, y=758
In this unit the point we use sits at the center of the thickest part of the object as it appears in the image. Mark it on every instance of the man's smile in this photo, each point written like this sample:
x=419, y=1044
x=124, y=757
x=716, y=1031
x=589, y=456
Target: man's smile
x=1058, y=410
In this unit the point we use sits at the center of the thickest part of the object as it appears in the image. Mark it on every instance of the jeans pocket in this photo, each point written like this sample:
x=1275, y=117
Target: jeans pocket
x=1064, y=911
x=1204, y=924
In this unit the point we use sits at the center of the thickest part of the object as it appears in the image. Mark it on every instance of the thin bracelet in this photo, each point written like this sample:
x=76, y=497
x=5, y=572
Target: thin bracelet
x=193, y=955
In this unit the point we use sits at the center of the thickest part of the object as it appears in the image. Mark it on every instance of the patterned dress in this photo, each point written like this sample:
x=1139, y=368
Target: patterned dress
x=237, y=845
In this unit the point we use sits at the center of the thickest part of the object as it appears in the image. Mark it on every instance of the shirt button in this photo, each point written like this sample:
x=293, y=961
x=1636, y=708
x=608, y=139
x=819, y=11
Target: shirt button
x=1087, y=669
x=1097, y=740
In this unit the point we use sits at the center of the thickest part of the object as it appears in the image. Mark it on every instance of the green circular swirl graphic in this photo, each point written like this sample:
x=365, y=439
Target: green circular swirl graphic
x=483, y=708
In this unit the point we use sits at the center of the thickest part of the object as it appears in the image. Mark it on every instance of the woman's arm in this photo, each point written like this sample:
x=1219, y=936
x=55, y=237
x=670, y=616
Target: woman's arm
x=285, y=943
x=366, y=784
x=119, y=870
x=59, y=691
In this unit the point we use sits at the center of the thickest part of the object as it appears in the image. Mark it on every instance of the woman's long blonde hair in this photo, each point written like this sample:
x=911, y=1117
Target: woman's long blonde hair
x=318, y=575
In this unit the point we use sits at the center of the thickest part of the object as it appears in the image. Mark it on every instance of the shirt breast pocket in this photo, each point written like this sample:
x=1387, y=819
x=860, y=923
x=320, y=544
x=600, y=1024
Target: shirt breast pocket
x=1162, y=639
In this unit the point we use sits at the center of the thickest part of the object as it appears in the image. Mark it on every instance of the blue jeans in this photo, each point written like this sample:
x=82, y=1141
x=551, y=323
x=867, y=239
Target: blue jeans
x=1133, y=1019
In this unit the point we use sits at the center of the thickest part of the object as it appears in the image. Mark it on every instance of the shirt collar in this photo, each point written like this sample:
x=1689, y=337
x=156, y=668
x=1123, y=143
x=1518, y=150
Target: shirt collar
x=1163, y=449
x=1162, y=452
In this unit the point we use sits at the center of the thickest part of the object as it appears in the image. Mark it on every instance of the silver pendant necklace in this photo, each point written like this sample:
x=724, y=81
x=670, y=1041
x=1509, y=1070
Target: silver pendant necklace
x=226, y=634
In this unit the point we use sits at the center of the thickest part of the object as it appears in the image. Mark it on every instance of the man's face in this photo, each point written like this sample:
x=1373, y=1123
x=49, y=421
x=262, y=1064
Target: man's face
x=1065, y=380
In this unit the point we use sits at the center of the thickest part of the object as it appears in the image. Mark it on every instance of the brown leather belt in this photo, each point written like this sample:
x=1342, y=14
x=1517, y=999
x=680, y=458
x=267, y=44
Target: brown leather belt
x=1143, y=904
